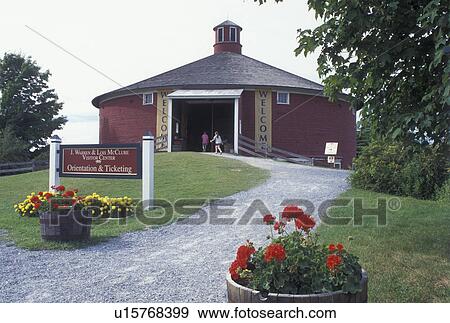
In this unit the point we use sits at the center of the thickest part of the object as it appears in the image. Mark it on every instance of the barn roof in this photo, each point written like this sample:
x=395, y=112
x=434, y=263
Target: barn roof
x=223, y=70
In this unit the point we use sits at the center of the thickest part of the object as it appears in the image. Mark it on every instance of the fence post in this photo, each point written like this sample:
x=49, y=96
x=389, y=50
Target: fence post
x=53, y=165
x=148, y=165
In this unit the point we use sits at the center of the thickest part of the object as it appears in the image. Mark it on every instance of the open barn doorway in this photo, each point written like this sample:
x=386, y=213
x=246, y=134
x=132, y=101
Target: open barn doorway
x=193, y=117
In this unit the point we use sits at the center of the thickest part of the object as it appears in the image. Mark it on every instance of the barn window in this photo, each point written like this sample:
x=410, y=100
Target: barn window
x=233, y=34
x=147, y=98
x=220, y=34
x=282, y=97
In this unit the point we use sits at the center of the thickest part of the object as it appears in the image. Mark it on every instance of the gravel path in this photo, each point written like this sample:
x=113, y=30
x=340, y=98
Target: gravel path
x=175, y=263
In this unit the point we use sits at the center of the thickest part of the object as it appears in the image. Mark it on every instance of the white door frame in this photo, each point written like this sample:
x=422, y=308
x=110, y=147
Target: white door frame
x=235, y=122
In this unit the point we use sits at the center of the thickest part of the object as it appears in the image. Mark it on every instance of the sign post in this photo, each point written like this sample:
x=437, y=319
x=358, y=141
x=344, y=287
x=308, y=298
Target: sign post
x=331, y=152
x=53, y=165
x=148, y=177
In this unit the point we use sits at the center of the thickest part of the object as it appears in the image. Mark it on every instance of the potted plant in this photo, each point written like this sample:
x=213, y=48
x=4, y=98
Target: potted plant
x=295, y=267
x=63, y=217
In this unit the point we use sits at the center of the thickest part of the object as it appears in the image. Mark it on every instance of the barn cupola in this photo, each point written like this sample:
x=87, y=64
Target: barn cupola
x=228, y=38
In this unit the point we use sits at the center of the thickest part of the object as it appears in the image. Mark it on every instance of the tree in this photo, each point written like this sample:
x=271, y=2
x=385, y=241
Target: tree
x=12, y=149
x=389, y=57
x=28, y=108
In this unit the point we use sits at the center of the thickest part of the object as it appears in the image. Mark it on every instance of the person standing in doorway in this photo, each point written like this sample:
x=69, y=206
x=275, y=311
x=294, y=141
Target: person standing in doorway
x=217, y=142
x=205, y=141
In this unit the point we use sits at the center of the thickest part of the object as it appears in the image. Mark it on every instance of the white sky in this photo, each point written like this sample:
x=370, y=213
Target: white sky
x=136, y=39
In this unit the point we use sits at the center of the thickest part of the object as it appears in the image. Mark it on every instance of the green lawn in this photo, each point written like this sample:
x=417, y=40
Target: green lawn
x=177, y=175
x=408, y=259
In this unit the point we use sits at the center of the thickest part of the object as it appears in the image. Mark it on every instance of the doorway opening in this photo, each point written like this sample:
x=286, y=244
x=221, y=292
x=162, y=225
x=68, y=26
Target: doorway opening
x=193, y=117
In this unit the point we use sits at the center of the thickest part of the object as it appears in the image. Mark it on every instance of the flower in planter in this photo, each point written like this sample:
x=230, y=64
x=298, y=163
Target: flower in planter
x=279, y=226
x=59, y=188
x=274, y=251
x=243, y=255
x=304, y=222
x=269, y=219
x=294, y=262
x=291, y=212
x=333, y=261
x=68, y=194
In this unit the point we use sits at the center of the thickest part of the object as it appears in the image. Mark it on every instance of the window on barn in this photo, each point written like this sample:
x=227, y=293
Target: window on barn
x=147, y=98
x=282, y=97
x=220, y=34
x=233, y=34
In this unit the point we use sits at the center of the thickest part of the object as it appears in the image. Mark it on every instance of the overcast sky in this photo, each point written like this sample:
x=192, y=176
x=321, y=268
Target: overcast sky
x=133, y=40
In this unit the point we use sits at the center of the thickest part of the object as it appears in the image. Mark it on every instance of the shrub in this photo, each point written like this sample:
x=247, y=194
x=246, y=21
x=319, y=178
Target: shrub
x=295, y=263
x=443, y=194
x=398, y=169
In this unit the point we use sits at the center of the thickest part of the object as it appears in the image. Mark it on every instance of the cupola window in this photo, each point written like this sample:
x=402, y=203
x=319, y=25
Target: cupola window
x=220, y=34
x=233, y=34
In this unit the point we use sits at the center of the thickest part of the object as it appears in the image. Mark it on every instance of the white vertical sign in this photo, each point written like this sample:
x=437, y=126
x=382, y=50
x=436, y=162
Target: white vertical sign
x=236, y=126
x=148, y=166
x=53, y=165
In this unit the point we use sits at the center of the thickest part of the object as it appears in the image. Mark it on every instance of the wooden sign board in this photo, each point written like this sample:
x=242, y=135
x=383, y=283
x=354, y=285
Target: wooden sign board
x=101, y=161
x=331, y=148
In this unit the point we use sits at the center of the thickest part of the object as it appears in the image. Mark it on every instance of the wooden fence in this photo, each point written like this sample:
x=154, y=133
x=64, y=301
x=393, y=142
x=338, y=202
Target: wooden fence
x=22, y=167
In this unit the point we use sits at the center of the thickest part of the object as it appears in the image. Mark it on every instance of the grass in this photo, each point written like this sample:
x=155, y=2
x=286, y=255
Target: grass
x=177, y=175
x=407, y=259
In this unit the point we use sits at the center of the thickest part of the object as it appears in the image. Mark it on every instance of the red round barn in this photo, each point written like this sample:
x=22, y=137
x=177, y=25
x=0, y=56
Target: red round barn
x=258, y=109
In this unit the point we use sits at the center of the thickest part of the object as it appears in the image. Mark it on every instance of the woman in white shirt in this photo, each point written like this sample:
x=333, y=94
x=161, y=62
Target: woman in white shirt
x=217, y=142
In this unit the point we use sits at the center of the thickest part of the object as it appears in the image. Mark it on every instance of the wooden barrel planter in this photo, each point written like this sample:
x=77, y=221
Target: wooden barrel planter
x=62, y=225
x=241, y=294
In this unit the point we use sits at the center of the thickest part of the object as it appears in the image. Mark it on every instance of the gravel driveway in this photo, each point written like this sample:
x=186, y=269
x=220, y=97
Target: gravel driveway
x=175, y=263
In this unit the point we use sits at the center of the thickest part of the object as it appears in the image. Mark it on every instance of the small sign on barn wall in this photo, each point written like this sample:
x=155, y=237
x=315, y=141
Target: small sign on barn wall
x=101, y=161
x=331, y=148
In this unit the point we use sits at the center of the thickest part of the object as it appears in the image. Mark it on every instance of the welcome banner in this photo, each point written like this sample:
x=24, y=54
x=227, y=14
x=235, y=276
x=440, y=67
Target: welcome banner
x=162, y=117
x=263, y=120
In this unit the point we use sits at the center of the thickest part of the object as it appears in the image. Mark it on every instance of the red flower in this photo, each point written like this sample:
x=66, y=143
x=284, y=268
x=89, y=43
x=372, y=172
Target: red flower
x=268, y=219
x=340, y=246
x=59, y=188
x=35, y=199
x=331, y=247
x=37, y=206
x=333, y=261
x=305, y=222
x=243, y=255
x=279, y=225
x=234, y=270
x=48, y=195
x=55, y=206
x=69, y=194
x=274, y=251
x=41, y=193
x=291, y=212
